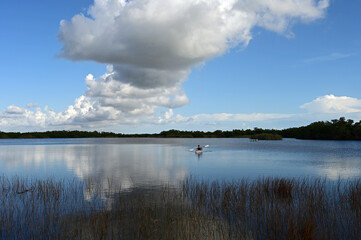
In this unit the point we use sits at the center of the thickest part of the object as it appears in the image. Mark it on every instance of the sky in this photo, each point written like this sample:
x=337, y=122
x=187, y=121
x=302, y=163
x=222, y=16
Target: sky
x=152, y=65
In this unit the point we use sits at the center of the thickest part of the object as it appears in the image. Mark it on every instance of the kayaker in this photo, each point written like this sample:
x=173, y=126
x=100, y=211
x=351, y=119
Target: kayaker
x=199, y=147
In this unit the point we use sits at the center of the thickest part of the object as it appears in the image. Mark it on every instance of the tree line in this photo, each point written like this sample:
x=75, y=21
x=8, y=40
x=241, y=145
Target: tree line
x=336, y=129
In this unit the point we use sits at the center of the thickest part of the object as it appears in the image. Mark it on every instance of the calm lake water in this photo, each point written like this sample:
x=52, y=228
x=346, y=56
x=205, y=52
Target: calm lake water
x=145, y=162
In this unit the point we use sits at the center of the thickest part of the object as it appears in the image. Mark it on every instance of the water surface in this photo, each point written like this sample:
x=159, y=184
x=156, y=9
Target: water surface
x=146, y=162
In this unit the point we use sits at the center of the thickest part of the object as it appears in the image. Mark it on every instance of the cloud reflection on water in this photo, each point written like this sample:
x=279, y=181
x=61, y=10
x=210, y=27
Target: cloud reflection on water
x=126, y=165
x=137, y=163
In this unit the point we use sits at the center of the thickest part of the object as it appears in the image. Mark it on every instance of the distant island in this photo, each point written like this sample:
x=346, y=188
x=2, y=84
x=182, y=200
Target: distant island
x=266, y=136
x=337, y=129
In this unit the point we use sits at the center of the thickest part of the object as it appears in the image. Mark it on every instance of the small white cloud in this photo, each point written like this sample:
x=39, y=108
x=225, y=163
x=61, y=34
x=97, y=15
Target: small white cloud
x=253, y=117
x=14, y=110
x=333, y=104
x=31, y=105
x=331, y=57
x=89, y=77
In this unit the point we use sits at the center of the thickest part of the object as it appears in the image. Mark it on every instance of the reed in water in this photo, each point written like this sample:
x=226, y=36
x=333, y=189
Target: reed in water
x=266, y=208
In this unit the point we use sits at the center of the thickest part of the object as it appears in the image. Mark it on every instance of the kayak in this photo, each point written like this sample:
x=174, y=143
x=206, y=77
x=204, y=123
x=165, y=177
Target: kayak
x=198, y=151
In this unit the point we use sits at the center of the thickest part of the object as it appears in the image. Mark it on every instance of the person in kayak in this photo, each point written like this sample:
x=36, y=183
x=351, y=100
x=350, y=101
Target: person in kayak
x=199, y=148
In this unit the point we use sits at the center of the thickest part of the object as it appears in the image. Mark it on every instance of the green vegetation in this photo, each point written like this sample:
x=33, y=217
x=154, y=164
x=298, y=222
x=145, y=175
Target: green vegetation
x=266, y=136
x=165, y=134
x=266, y=208
x=337, y=129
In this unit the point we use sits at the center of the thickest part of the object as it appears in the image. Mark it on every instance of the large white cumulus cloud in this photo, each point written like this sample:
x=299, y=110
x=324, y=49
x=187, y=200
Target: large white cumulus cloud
x=175, y=34
x=107, y=101
x=150, y=47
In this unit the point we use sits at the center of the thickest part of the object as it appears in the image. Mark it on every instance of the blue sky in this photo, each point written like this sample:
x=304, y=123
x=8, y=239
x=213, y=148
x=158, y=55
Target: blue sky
x=282, y=66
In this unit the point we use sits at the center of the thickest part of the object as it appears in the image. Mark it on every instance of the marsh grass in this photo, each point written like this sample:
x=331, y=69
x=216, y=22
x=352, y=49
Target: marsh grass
x=277, y=208
x=266, y=208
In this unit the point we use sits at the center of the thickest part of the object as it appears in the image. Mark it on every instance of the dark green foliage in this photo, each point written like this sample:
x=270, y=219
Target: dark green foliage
x=336, y=129
x=3, y=135
x=165, y=134
x=236, y=133
x=266, y=136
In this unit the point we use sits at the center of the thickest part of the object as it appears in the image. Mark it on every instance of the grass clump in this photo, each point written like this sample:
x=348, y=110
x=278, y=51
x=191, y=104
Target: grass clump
x=266, y=208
